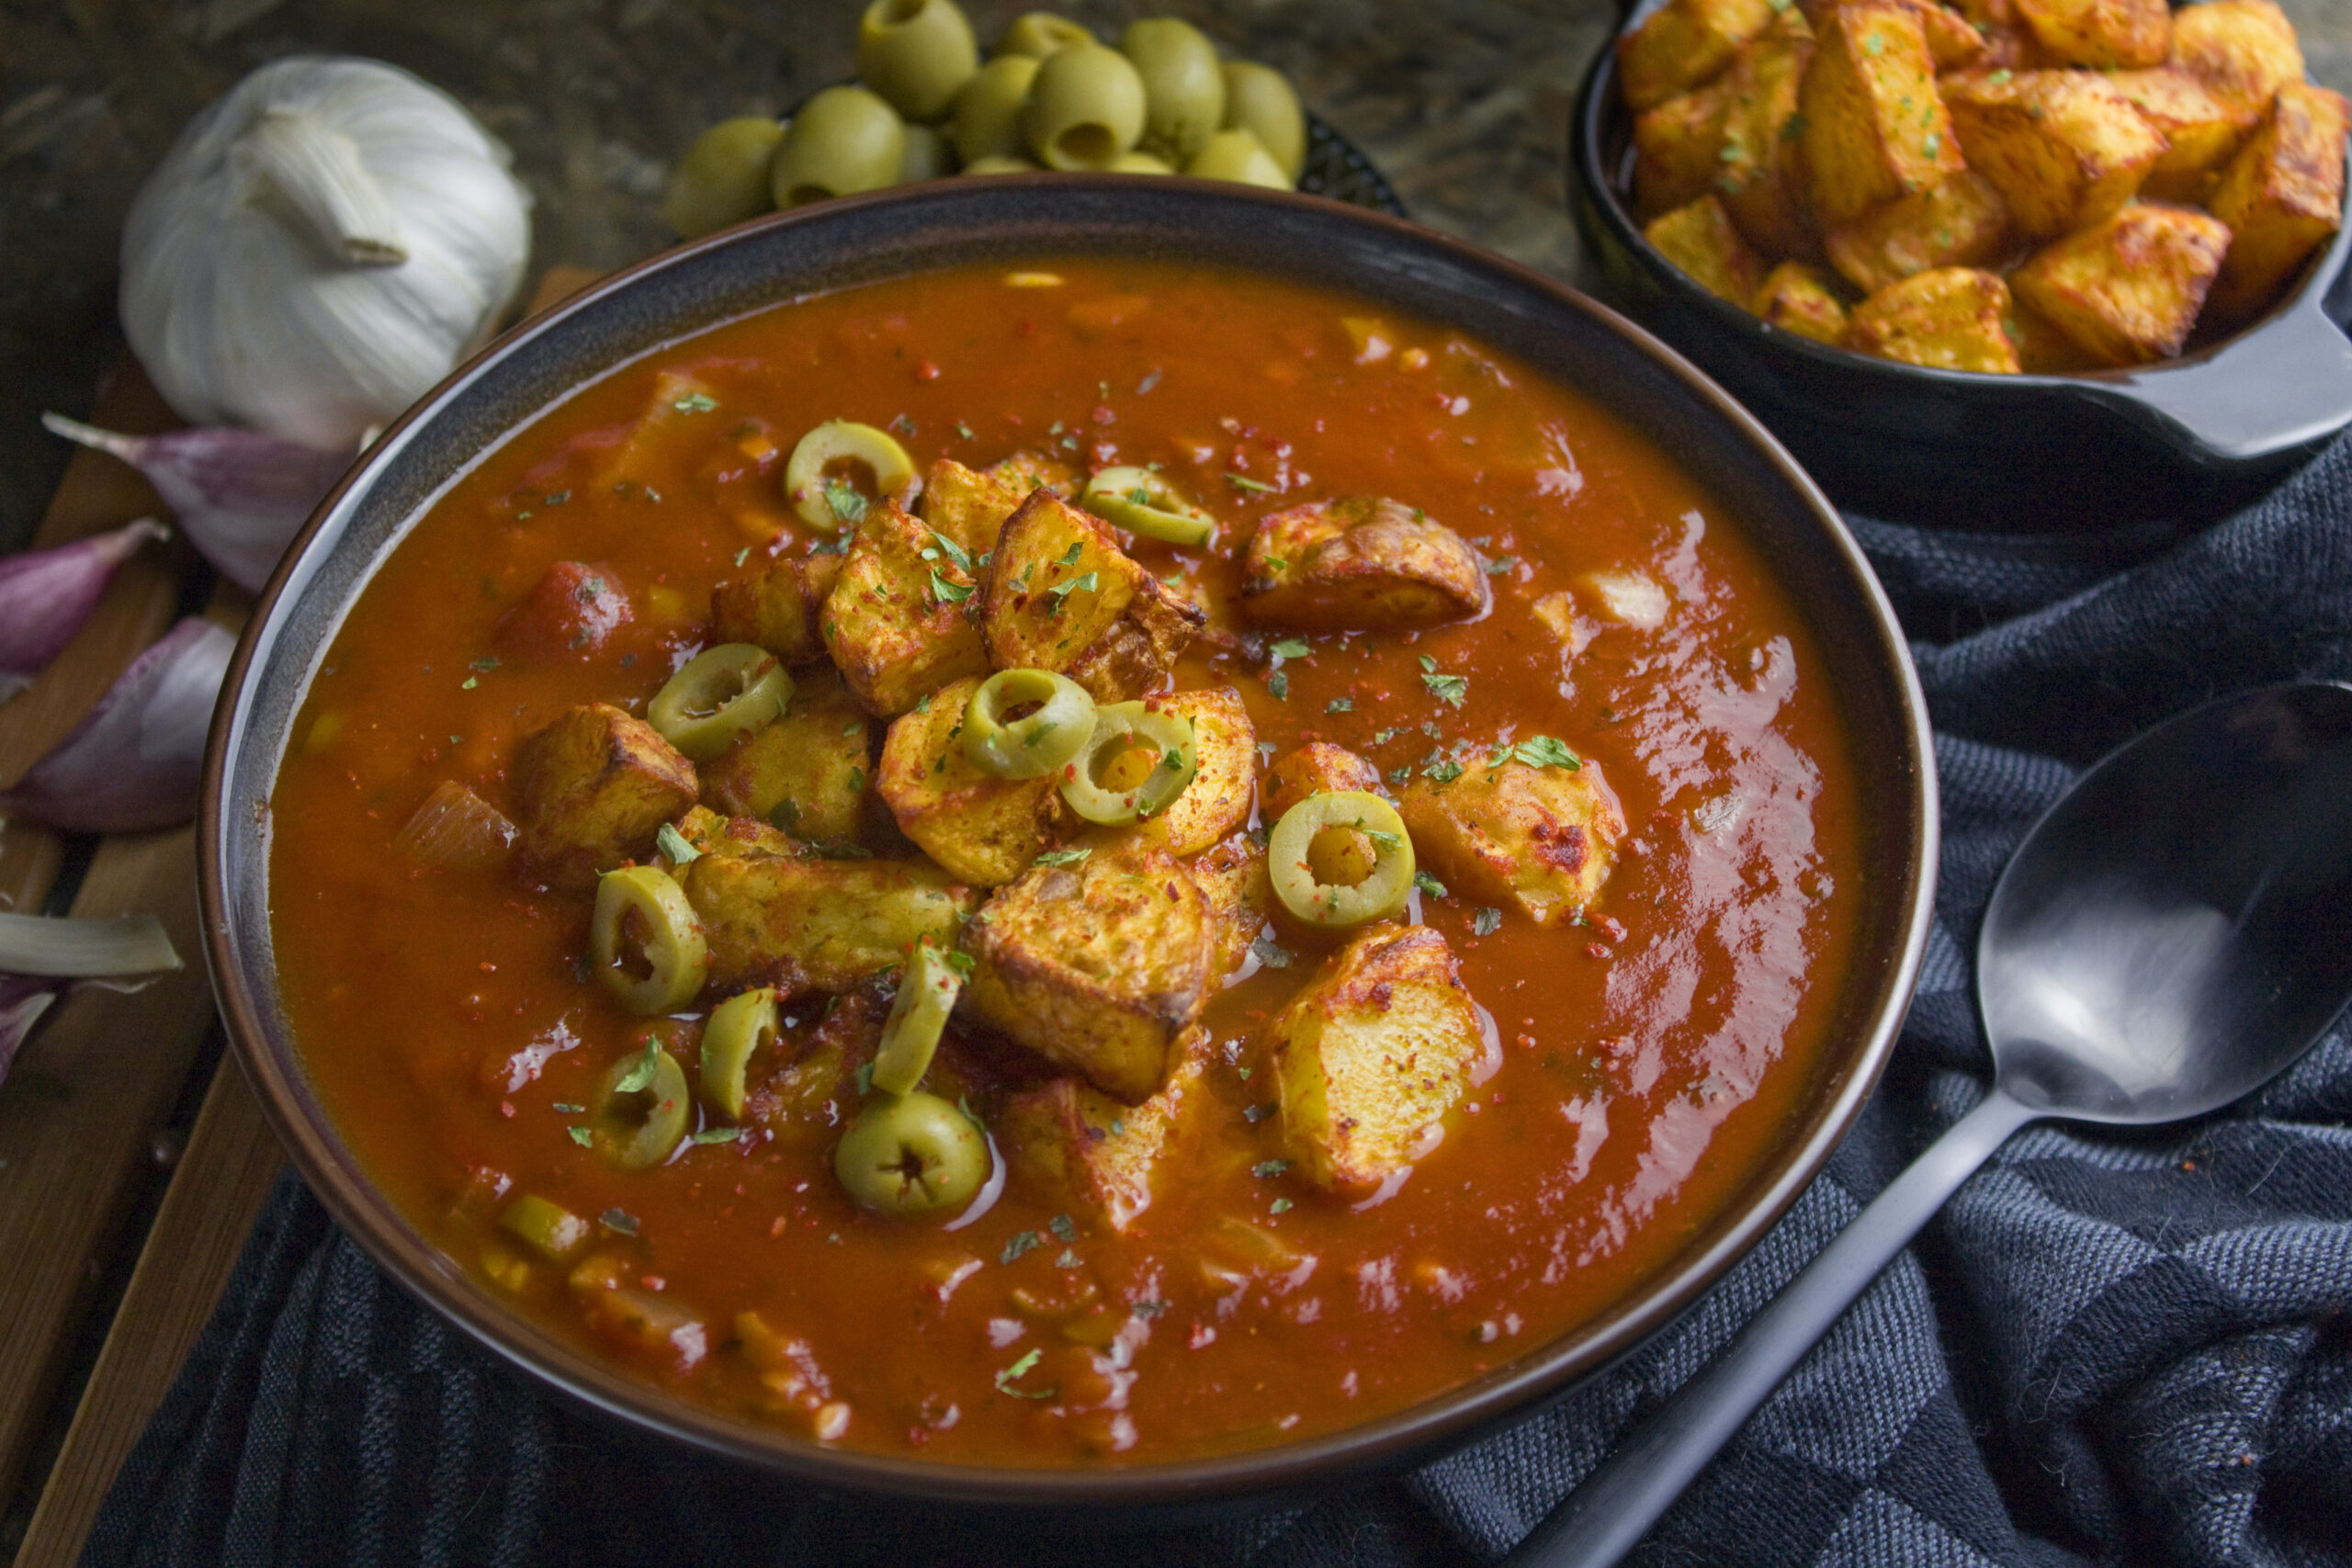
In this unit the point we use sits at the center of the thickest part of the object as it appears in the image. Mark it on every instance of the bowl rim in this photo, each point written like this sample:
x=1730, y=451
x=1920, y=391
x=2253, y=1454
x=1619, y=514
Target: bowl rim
x=1511, y=1393
x=2150, y=397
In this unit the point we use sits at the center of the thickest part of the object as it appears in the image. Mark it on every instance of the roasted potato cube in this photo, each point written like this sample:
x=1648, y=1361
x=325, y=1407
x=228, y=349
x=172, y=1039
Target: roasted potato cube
x=1381, y=1044
x=1688, y=42
x=1803, y=300
x=1678, y=147
x=1218, y=800
x=806, y=772
x=1953, y=40
x=591, y=789
x=986, y=829
x=2282, y=197
x=899, y=625
x=1541, y=838
x=969, y=506
x=1874, y=125
x=777, y=606
x=2244, y=50
x=2105, y=33
x=1759, y=167
x=1361, y=563
x=2128, y=289
x=1240, y=895
x=1026, y=472
x=824, y=925
x=2203, y=129
x=1959, y=221
x=1951, y=318
x=1099, y=965
x=1072, y=1143
x=712, y=834
x=1316, y=768
x=1701, y=239
x=1063, y=596
x=2063, y=148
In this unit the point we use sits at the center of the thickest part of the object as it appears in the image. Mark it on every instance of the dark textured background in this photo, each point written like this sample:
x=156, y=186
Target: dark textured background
x=1463, y=103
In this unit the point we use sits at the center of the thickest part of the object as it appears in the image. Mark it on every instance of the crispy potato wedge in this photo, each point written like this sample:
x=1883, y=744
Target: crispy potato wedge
x=1217, y=802
x=1068, y=1142
x=1026, y=472
x=2102, y=33
x=1099, y=967
x=826, y=925
x=2243, y=51
x=1954, y=41
x=1678, y=148
x=1541, y=839
x=2282, y=197
x=1759, y=164
x=1361, y=563
x=1380, y=1043
x=1800, y=297
x=1683, y=45
x=1063, y=596
x=775, y=606
x=1874, y=124
x=711, y=833
x=2128, y=289
x=1241, y=896
x=2203, y=131
x=1316, y=768
x=1702, y=241
x=591, y=790
x=2065, y=148
x=899, y=625
x=807, y=772
x=969, y=506
x=985, y=830
x=1953, y=318
x=1959, y=221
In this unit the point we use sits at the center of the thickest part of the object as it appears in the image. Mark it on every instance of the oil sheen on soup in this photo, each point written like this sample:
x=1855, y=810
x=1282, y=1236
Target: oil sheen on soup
x=1243, y=1176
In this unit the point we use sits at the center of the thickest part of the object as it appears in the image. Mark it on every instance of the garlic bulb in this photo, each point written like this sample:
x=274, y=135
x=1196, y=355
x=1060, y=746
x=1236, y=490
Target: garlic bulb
x=319, y=249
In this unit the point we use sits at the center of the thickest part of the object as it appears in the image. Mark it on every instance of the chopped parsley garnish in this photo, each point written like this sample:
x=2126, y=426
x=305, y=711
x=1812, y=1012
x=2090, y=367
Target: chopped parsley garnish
x=639, y=1078
x=672, y=844
x=1020, y=1369
x=1292, y=647
x=1438, y=768
x=1340, y=704
x=1060, y=592
x=1278, y=686
x=580, y=1135
x=958, y=960
x=1428, y=885
x=1026, y=1241
x=902, y=424
x=1147, y=1307
x=469, y=683
x=1543, y=751
x=556, y=498
x=1061, y=857
x=1065, y=1229
x=965, y=430
x=948, y=592
x=786, y=815
x=1383, y=736
x=1385, y=840
x=484, y=665
x=1257, y=1114
x=1071, y=554
x=718, y=1135
x=1267, y=1169
x=1451, y=690
x=1271, y=953
x=924, y=705
x=742, y=555
x=864, y=1079
x=619, y=1219
x=1279, y=1206
x=1243, y=481
x=1148, y=383
x=1486, y=921
x=562, y=1108
x=1500, y=565
x=956, y=552
x=695, y=403
x=1068, y=1259
x=844, y=501
x=1276, y=563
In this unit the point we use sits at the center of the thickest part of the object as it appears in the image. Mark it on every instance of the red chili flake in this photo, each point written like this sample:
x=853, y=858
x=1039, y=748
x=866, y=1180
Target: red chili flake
x=1614, y=931
x=776, y=1227
x=926, y=371
x=654, y=1282
x=1103, y=414
x=1595, y=950
x=1203, y=1336
x=1024, y=327
x=507, y=1109
x=1171, y=894
x=1527, y=1041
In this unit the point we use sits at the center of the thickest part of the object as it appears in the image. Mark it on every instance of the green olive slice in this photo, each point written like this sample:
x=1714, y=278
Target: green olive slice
x=550, y=1228
x=1138, y=760
x=647, y=947
x=823, y=500
x=927, y=991
x=1055, y=715
x=915, y=1155
x=640, y=1109
x=1141, y=502
x=719, y=697
x=738, y=1026
x=1318, y=858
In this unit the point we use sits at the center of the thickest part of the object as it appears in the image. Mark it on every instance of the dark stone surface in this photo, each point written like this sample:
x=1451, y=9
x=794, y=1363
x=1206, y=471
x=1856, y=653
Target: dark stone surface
x=1463, y=103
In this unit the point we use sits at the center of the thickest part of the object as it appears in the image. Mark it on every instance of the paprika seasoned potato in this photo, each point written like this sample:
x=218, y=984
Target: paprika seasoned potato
x=986, y=829
x=1683, y=44
x=1702, y=241
x=591, y=789
x=1951, y=317
x=1875, y=128
x=1538, y=835
x=2282, y=197
x=1803, y=300
x=830, y=925
x=2128, y=289
x=898, y=621
x=1063, y=596
x=775, y=606
x=1361, y=563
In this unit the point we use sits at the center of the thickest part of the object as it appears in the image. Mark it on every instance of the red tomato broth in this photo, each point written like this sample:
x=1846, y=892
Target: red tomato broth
x=1649, y=1060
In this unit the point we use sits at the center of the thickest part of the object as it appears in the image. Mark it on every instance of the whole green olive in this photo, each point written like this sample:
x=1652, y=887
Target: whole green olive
x=928, y=156
x=987, y=122
x=1258, y=99
x=1037, y=34
x=917, y=54
x=1183, y=86
x=723, y=178
x=843, y=140
x=912, y=1155
x=1086, y=108
x=1236, y=155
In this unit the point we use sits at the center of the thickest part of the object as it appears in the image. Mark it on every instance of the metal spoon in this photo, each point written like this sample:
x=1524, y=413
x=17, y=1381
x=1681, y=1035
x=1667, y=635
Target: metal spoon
x=2172, y=934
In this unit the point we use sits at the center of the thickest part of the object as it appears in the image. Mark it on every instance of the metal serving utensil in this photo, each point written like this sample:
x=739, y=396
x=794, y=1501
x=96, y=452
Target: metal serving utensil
x=2173, y=932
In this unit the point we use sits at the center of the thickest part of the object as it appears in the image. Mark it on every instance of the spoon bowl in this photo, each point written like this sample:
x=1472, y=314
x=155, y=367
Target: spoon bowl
x=2171, y=935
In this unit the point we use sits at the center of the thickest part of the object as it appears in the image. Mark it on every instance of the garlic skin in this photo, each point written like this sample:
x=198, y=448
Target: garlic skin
x=45, y=595
x=319, y=249
x=137, y=760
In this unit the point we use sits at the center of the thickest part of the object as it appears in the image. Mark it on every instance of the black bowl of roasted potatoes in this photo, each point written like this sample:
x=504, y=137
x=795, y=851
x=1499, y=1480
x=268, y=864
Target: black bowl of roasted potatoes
x=2002, y=265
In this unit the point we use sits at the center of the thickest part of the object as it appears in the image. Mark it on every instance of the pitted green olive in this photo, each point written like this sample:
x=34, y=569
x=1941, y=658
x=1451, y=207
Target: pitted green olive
x=987, y=123
x=1142, y=502
x=915, y=1155
x=737, y=1027
x=1055, y=717
x=1183, y=85
x=813, y=480
x=1141, y=164
x=1086, y=108
x=1341, y=859
x=1136, y=762
x=928, y=986
x=1236, y=155
x=723, y=178
x=647, y=946
x=917, y=54
x=639, y=1111
x=843, y=140
x=928, y=155
x=718, y=697
x=1036, y=34
x=1258, y=99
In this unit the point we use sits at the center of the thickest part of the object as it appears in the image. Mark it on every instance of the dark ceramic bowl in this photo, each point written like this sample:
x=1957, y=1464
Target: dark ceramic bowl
x=2188, y=438
x=1018, y=219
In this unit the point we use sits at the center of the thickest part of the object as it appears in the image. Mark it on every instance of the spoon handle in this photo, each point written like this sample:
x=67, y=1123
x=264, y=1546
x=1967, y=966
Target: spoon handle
x=1601, y=1520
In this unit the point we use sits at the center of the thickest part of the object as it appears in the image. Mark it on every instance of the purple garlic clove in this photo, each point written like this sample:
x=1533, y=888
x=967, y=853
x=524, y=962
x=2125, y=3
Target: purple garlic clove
x=45, y=595
x=134, y=761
